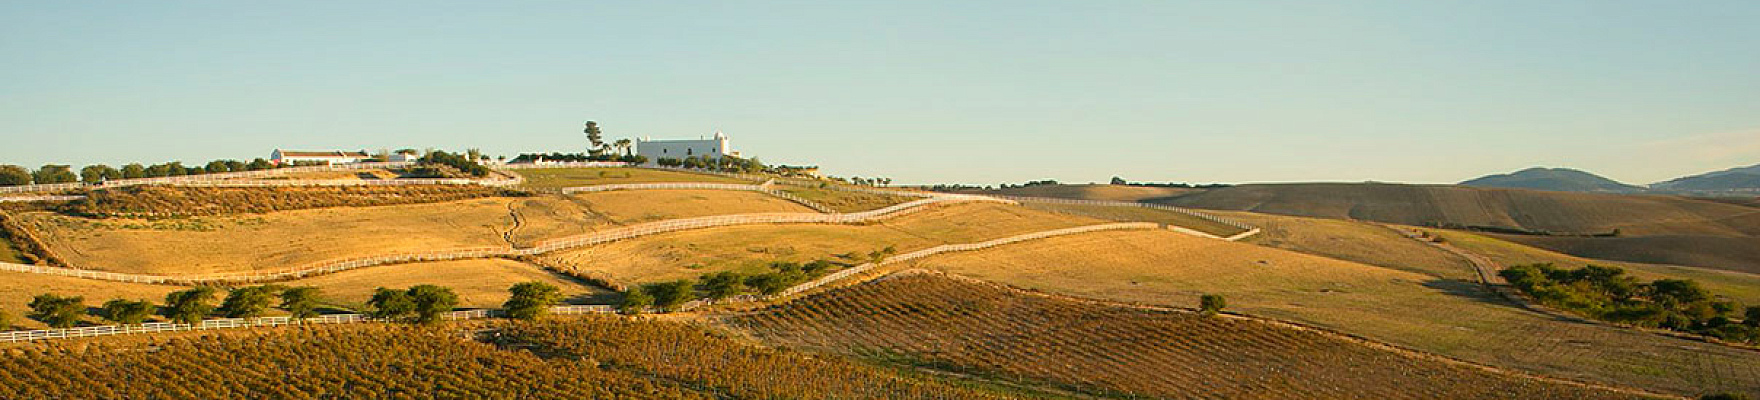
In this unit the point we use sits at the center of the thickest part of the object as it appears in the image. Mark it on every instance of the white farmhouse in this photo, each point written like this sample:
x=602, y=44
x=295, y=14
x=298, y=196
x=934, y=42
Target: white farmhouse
x=288, y=157
x=655, y=150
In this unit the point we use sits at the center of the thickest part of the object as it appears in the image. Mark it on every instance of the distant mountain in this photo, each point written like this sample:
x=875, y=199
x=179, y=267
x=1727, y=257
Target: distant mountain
x=1733, y=179
x=1554, y=179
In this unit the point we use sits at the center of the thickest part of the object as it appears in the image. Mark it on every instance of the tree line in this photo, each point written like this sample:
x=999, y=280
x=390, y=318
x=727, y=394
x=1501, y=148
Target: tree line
x=670, y=296
x=13, y=175
x=421, y=304
x=1609, y=294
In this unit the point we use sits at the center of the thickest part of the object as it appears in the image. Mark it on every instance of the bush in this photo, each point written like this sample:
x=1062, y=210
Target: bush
x=1211, y=304
x=722, y=285
x=391, y=304
x=671, y=295
x=13, y=175
x=189, y=306
x=57, y=311
x=530, y=300
x=249, y=302
x=5, y=321
x=301, y=301
x=127, y=312
x=422, y=304
x=460, y=162
x=635, y=300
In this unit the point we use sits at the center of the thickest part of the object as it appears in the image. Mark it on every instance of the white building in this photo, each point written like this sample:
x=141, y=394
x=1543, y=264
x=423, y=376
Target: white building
x=655, y=150
x=288, y=157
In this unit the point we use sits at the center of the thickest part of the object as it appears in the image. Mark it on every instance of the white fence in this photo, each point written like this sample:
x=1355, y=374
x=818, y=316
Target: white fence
x=569, y=164
x=38, y=198
x=487, y=252
x=859, y=269
x=230, y=323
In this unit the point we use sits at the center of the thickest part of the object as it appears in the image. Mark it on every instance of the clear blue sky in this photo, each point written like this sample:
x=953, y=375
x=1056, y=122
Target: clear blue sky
x=930, y=91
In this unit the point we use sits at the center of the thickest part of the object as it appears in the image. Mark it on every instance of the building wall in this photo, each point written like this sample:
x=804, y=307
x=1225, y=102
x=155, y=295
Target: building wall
x=680, y=149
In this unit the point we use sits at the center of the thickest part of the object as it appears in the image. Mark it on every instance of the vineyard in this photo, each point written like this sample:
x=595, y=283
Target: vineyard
x=600, y=357
x=846, y=201
x=165, y=201
x=1116, y=351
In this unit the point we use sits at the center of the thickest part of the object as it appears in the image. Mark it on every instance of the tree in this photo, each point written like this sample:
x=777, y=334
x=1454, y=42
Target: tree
x=249, y=301
x=127, y=312
x=391, y=304
x=724, y=284
x=635, y=300
x=53, y=173
x=1211, y=304
x=98, y=173
x=134, y=171
x=13, y=175
x=259, y=164
x=431, y=302
x=190, y=306
x=595, y=137
x=57, y=311
x=214, y=167
x=301, y=301
x=234, y=165
x=624, y=146
x=671, y=295
x=529, y=300
x=1119, y=181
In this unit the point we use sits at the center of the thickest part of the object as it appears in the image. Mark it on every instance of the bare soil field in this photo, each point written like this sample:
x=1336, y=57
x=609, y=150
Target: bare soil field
x=682, y=255
x=1129, y=214
x=1111, y=350
x=552, y=178
x=1353, y=241
x=1091, y=192
x=1743, y=287
x=1448, y=317
x=846, y=202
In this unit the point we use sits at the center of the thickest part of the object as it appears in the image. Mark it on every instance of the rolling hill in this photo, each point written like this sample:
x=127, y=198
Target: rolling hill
x=1733, y=179
x=1650, y=228
x=1555, y=179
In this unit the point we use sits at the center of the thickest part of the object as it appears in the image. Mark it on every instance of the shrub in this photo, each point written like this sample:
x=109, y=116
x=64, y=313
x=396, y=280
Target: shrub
x=189, y=306
x=671, y=295
x=391, y=304
x=127, y=312
x=1211, y=304
x=635, y=300
x=249, y=302
x=58, y=311
x=529, y=300
x=724, y=284
x=13, y=175
x=5, y=321
x=301, y=301
x=431, y=302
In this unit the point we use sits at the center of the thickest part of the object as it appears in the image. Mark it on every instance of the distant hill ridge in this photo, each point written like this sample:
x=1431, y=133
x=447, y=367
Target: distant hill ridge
x=1742, y=178
x=1555, y=179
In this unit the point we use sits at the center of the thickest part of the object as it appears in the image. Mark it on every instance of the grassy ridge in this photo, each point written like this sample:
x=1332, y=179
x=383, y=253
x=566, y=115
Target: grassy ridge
x=552, y=178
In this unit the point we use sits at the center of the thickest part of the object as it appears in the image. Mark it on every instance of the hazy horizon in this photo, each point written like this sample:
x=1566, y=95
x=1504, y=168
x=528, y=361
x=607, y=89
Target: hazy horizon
x=923, y=92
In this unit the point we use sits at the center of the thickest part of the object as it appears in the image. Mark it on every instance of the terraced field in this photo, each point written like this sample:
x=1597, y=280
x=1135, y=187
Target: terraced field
x=1135, y=214
x=751, y=248
x=1420, y=311
x=478, y=283
x=553, y=178
x=635, y=206
x=1116, y=351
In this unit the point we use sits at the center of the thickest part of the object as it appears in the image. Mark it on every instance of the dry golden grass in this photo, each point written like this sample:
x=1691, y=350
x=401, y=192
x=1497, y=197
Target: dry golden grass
x=634, y=206
x=17, y=289
x=751, y=248
x=1449, y=317
x=1092, y=192
x=288, y=239
x=1115, y=213
x=270, y=241
x=843, y=201
x=349, y=175
x=551, y=178
x=478, y=283
x=10, y=252
x=1743, y=287
x=1353, y=241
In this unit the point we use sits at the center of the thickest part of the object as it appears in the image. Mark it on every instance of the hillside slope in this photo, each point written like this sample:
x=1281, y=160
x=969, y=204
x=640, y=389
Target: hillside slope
x=1747, y=178
x=1651, y=228
x=1555, y=179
